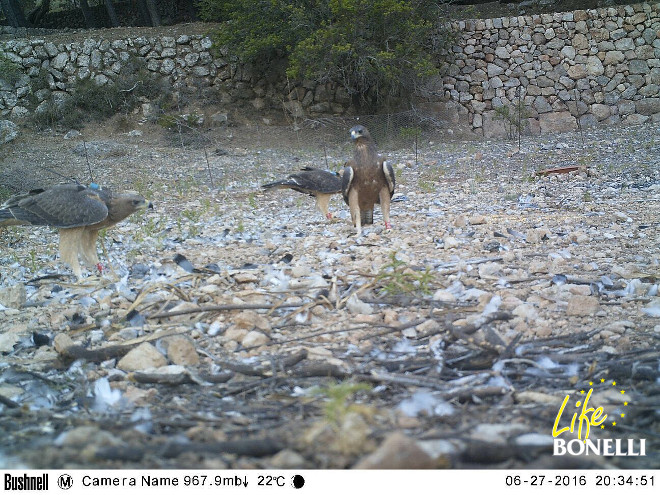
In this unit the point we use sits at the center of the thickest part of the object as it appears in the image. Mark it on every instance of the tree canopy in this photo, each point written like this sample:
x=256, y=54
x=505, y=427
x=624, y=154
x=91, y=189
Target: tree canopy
x=373, y=48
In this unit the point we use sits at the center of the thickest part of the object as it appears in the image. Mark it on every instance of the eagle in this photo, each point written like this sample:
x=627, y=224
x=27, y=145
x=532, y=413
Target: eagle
x=78, y=211
x=321, y=184
x=367, y=179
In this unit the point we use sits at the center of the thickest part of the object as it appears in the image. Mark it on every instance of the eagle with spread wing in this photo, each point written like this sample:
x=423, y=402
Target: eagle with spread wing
x=367, y=179
x=78, y=211
x=321, y=184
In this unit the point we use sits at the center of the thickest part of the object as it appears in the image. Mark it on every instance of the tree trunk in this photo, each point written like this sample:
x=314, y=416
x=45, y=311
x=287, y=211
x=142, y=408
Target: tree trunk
x=153, y=12
x=112, y=14
x=39, y=12
x=14, y=13
x=90, y=20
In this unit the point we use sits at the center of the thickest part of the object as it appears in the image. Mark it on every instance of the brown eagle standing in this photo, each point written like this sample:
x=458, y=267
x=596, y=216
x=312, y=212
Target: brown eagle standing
x=321, y=184
x=79, y=212
x=368, y=179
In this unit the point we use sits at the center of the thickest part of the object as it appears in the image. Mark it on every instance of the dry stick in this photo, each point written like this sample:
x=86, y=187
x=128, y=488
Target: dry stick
x=89, y=167
x=577, y=117
x=222, y=307
x=311, y=335
x=208, y=167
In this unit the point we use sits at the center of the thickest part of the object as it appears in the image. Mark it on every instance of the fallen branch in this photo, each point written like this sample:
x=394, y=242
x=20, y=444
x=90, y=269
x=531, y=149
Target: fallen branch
x=221, y=307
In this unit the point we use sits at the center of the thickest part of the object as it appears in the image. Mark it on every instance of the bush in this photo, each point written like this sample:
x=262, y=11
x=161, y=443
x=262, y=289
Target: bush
x=90, y=101
x=373, y=48
x=10, y=72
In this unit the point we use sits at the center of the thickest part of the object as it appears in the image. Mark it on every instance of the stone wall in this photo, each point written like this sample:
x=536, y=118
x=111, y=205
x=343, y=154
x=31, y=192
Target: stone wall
x=599, y=66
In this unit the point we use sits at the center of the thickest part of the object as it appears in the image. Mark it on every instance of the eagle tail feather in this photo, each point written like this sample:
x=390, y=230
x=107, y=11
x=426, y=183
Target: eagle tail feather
x=367, y=217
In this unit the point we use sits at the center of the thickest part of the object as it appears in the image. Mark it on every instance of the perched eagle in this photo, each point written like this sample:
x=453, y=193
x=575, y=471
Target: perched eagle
x=367, y=179
x=79, y=212
x=313, y=181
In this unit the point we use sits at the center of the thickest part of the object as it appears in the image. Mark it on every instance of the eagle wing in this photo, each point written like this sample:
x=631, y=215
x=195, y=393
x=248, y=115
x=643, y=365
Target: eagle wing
x=62, y=206
x=309, y=181
x=321, y=184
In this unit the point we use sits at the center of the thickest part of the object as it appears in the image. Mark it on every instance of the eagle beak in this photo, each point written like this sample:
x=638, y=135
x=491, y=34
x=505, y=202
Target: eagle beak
x=355, y=135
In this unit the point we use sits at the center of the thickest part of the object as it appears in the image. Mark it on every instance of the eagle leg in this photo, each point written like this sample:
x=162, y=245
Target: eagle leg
x=322, y=203
x=385, y=206
x=70, y=240
x=355, y=209
x=87, y=247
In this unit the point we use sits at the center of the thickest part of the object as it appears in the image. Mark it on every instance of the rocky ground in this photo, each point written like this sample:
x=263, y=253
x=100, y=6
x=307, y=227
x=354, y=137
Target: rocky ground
x=235, y=328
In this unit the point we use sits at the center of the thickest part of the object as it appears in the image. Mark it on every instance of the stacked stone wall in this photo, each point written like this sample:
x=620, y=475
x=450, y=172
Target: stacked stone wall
x=587, y=67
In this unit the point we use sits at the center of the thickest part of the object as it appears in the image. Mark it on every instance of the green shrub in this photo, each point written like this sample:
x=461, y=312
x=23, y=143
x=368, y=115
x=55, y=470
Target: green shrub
x=9, y=70
x=373, y=48
x=90, y=101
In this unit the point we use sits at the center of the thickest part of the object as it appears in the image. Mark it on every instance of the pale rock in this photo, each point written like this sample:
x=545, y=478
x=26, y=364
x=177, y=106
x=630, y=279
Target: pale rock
x=460, y=221
x=357, y=307
x=477, y=220
x=255, y=339
x=8, y=341
x=490, y=271
x=87, y=436
x=533, y=397
x=581, y=290
x=235, y=333
x=397, y=452
x=13, y=296
x=496, y=433
x=510, y=302
x=246, y=277
x=181, y=350
x=142, y=357
x=526, y=311
x=61, y=342
x=451, y=242
x=429, y=326
x=287, y=459
x=140, y=397
x=8, y=131
x=537, y=266
x=534, y=236
x=442, y=295
x=251, y=319
x=579, y=305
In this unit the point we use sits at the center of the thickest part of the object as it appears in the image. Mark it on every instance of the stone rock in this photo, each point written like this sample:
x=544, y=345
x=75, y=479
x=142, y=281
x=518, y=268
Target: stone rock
x=287, y=459
x=579, y=305
x=251, y=319
x=72, y=134
x=13, y=297
x=8, y=341
x=445, y=296
x=255, y=338
x=219, y=118
x=61, y=342
x=86, y=437
x=647, y=106
x=181, y=350
x=397, y=452
x=8, y=131
x=557, y=122
x=19, y=112
x=357, y=307
x=594, y=66
x=142, y=357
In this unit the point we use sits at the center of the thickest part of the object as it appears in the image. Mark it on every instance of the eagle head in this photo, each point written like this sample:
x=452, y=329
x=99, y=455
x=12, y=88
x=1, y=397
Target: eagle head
x=359, y=131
